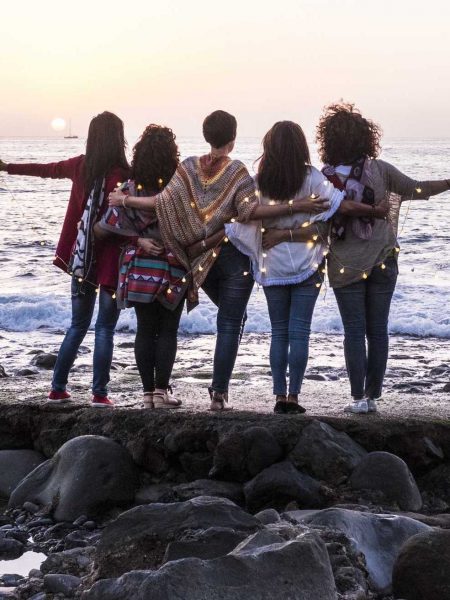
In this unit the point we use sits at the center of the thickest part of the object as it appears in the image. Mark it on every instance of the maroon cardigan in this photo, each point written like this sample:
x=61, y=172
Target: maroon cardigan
x=106, y=253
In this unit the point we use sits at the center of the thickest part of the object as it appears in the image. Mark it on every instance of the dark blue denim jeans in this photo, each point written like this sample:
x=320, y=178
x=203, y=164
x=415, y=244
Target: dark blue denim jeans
x=291, y=309
x=229, y=289
x=364, y=308
x=83, y=302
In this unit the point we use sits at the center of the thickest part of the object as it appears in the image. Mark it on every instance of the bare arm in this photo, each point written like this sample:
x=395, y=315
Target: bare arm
x=358, y=209
x=211, y=241
x=118, y=198
x=306, y=205
x=273, y=237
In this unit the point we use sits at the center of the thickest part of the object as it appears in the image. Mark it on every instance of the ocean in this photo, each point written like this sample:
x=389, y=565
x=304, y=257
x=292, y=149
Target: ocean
x=34, y=295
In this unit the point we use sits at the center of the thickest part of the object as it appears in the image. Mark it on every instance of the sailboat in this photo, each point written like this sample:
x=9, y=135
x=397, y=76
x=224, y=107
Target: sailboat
x=70, y=136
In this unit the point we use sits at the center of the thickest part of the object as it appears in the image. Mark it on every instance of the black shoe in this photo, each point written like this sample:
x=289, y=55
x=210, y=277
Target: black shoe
x=293, y=407
x=280, y=407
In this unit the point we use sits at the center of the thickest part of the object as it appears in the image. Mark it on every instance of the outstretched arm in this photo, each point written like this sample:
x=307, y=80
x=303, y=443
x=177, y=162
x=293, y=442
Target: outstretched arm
x=65, y=169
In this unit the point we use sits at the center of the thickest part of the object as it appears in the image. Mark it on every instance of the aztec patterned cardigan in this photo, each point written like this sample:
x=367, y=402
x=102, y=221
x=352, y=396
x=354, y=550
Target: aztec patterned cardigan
x=198, y=201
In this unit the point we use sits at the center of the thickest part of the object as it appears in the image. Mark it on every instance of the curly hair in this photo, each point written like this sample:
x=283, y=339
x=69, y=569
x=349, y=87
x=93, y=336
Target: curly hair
x=284, y=162
x=155, y=158
x=344, y=135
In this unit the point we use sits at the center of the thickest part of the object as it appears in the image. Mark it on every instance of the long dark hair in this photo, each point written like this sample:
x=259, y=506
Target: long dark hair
x=284, y=162
x=155, y=158
x=344, y=135
x=105, y=147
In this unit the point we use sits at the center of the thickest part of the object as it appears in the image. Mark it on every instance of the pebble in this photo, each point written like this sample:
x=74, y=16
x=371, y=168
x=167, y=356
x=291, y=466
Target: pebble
x=446, y=387
x=80, y=521
x=20, y=520
x=30, y=507
x=90, y=525
x=57, y=583
x=35, y=573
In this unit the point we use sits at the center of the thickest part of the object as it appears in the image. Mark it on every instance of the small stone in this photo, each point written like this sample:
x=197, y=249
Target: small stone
x=30, y=507
x=11, y=580
x=315, y=377
x=35, y=574
x=20, y=520
x=26, y=372
x=80, y=521
x=90, y=525
x=446, y=387
x=3, y=373
x=268, y=516
x=44, y=361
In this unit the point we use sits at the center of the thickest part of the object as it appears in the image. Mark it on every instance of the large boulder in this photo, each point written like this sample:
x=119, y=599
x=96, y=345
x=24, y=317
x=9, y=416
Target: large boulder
x=326, y=453
x=390, y=475
x=422, y=569
x=297, y=569
x=280, y=484
x=87, y=475
x=437, y=482
x=212, y=543
x=138, y=538
x=14, y=466
x=241, y=455
x=378, y=537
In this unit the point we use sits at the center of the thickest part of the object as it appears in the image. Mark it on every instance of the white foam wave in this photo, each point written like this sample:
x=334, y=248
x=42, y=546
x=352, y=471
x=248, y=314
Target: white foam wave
x=410, y=315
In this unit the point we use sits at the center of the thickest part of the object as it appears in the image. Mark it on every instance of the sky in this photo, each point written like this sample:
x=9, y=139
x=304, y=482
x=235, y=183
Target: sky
x=172, y=62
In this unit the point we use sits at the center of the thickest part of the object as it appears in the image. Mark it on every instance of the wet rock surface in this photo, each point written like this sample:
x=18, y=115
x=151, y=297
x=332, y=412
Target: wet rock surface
x=272, y=492
x=14, y=466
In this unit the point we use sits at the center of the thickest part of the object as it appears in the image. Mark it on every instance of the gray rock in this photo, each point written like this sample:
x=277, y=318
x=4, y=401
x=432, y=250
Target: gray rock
x=294, y=570
x=280, y=484
x=210, y=487
x=35, y=574
x=11, y=580
x=76, y=561
x=62, y=584
x=326, y=453
x=390, y=475
x=87, y=474
x=242, y=455
x=44, y=361
x=437, y=481
x=3, y=373
x=212, y=543
x=268, y=516
x=26, y=372
x=157, y=492
x=378, y=537
x=422, y=569
x=30, y=507
x=446, y=387
x=14, y=466
x=137, y=539
x=262, y=538
x=10, y=548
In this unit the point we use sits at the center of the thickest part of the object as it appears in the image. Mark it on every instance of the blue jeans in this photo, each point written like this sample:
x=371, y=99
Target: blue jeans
x=229, y=289
x=364, y=308
x=291, y=309
x=83, y=303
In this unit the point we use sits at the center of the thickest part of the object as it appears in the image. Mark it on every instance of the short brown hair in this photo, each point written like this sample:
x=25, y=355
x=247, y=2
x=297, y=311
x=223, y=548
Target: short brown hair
x=219, y=128
x=344, y=135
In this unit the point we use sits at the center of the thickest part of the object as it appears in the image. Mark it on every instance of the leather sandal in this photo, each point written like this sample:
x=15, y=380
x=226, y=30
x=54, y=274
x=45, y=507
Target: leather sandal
x=219, y=401
x=148, y=400
x=161, y=399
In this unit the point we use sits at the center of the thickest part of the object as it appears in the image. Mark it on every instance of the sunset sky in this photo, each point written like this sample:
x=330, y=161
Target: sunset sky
x=174, y=61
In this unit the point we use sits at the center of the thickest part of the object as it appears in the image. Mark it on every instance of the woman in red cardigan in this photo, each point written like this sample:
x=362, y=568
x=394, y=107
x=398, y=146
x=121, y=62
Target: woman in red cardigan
x=94, y=175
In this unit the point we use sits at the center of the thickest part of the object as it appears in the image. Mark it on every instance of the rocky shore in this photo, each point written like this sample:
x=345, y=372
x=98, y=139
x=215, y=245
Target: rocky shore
x=175, y=505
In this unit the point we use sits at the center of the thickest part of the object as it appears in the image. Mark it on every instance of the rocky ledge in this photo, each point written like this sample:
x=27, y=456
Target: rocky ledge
x=138, y=504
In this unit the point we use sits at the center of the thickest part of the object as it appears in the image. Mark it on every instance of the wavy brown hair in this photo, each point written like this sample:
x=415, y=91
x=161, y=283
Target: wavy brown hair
x=284, y=162
x=155, y=158
x=344, y=135
x=105, y=148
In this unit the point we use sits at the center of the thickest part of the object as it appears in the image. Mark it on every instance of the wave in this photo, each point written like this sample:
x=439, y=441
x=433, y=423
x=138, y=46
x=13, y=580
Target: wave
x=411, y=314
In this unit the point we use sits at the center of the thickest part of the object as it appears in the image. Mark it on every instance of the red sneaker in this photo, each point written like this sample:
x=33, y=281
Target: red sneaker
x=55, y=395
x=101, y=401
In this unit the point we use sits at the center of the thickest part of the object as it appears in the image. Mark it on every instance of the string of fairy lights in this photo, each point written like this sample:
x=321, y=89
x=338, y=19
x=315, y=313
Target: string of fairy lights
x=316, y=237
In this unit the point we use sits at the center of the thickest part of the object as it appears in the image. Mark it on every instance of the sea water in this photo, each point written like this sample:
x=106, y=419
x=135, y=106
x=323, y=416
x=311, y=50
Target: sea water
x=34, y=295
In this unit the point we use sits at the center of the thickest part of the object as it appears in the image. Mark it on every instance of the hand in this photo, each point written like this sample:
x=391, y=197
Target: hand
x=3, y=165
x=311, y=205
x=381, y=210
x=272, y=237
x=194, y=250
x=149, y=246
x=116, y=198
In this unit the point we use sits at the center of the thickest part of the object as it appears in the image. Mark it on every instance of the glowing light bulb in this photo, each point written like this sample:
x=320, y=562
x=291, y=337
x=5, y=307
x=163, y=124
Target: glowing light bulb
x=97, y=290
x=397, y=249
x=114, y=296
x=318, y=285
x=342, y=270
x=291, y=202
x=315, y=237
x=226, y=240
x=233, y=220
x=365, y=276
x=119, y=183
x=169, y=291
x=264, y=254
x=418, y=190
x=310, y=244
x=246, y=199
x=193, y=204
x=160, y=182
x=184, y=280
x=263, y=270
x=272, y=202
x=313, y=196
x=245, y=273
x=383, y=266
x=139, y=187
x=214, y=254
x=305, y=224
x=325, y=252
x=80, y=279
x=200, y=268
x=262, y=230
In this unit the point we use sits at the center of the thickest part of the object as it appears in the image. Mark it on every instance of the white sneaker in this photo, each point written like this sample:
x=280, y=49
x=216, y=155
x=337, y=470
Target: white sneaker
x=357, y=407
x=372, y=405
